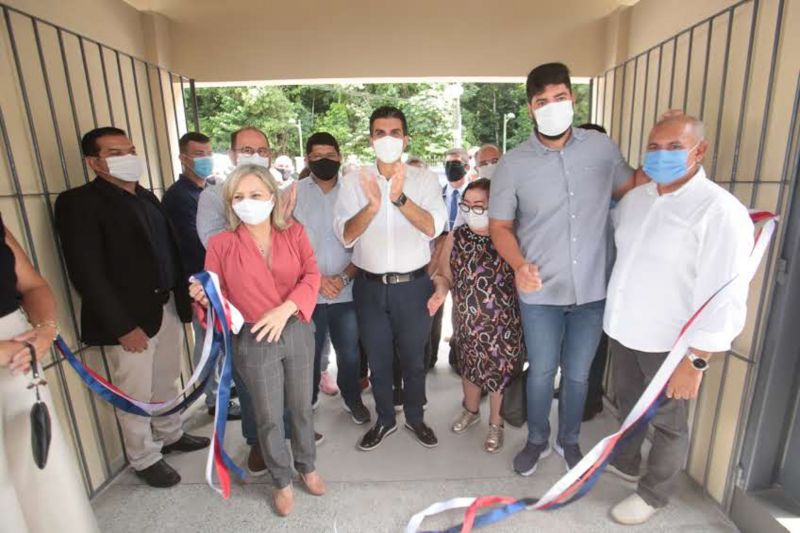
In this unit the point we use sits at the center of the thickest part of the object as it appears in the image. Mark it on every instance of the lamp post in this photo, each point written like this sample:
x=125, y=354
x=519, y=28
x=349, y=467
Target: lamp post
x=454, y=92
x=296, y=122
x=506, y=118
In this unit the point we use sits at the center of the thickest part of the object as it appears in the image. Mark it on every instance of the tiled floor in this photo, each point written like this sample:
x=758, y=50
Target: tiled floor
x=380, y=490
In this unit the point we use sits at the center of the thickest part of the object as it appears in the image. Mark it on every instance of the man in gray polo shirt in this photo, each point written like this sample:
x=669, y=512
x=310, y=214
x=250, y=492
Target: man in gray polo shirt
x=548, y=219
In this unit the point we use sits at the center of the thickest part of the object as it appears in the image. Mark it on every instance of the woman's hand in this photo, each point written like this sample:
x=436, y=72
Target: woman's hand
x=10, y=355
x=435, y=302
x=15, y=355
x=272, y=323
x=197, y=294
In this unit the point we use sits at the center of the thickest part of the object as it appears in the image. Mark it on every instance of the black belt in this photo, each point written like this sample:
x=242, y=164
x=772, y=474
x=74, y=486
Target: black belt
x=393, y=278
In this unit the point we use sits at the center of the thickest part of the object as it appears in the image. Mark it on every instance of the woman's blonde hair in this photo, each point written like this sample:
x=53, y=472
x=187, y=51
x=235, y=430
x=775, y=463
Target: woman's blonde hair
x=276, y=217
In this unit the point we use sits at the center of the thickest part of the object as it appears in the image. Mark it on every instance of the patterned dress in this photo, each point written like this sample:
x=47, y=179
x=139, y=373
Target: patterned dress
x=488, y=329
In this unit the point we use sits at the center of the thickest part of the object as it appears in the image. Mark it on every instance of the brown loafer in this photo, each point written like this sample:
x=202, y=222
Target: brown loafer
x=313, y=482
x=284, y=500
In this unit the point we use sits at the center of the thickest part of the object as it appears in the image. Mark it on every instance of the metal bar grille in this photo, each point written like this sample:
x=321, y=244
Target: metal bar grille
x=56, y=85
x=711, y=64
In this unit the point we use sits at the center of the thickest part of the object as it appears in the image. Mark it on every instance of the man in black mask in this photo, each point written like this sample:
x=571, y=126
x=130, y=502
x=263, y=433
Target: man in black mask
x=456, y=166
x=335, y=313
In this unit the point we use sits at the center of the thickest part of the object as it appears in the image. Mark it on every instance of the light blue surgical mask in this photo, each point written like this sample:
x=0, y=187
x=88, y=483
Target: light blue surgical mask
x=203, y=167
x=666, y=166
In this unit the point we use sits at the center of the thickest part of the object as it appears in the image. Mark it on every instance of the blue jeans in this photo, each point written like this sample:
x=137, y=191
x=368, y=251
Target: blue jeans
x=340, y=320
x=566, y=336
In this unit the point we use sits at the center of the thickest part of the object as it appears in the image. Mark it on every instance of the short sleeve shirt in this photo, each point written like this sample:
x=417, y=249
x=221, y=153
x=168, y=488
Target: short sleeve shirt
x=559, y=201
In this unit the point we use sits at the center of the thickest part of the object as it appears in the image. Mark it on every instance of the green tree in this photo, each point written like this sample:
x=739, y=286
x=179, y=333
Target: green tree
x=344, y=110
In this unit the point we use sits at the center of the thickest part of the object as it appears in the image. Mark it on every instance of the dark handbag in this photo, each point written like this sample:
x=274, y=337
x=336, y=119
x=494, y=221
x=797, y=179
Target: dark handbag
x=40, y=416
x=514, y=408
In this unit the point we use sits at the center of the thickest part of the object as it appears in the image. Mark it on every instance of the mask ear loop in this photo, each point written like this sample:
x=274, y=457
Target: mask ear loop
x=689, y=151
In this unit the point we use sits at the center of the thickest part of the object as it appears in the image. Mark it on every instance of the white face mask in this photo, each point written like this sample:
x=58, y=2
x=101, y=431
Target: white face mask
x=388, y=149
x=125, y=167
x=477, y=222
x=253, y=212
x=255, y=159
x=487, y=171
x=554, y=119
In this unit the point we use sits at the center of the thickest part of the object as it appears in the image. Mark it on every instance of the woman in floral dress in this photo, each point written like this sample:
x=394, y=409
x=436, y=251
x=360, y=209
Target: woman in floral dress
x=488, y=330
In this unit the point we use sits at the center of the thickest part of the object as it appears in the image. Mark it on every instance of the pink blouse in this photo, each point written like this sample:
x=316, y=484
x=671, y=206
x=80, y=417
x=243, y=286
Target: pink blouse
x=253, y=287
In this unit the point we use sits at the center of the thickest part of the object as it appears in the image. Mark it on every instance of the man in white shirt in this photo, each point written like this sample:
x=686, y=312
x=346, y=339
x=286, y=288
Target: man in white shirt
x=388, y=213
x=679, y=239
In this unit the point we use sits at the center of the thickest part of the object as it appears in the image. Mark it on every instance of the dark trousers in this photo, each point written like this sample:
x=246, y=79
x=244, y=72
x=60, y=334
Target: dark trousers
x=594, y=394
x=392, y=316
x=340, y=321
x=432, y=347
x=633, y=371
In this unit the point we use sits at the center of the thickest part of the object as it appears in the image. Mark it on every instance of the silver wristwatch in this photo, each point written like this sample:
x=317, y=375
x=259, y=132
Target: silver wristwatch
x=697, y=362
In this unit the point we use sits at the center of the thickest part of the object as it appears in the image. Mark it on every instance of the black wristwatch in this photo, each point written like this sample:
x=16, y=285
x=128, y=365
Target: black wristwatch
x=698, y=363
x=401, y=200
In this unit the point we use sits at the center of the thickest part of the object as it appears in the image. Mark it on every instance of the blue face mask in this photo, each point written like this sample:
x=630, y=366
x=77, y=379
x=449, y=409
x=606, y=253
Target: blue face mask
x=203, y=166
x=666, y=166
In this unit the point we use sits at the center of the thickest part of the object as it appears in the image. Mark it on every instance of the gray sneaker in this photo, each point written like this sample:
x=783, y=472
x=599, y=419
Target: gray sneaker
x=525, y=462
x=571, y=453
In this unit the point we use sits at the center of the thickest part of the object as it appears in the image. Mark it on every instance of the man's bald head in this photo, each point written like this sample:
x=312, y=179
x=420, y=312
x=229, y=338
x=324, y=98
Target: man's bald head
x=687, y=124
x=678, y=131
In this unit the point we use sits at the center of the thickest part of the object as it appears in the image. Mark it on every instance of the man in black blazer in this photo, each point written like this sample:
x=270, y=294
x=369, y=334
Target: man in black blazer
x=122, y=257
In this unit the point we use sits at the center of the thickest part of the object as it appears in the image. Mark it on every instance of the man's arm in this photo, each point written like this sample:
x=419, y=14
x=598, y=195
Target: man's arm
x=504, y=239
x=428, y=214
x=211, y=217
x=419, y=218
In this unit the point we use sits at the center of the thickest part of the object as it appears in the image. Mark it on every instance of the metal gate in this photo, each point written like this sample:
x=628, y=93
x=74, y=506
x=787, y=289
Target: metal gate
x=709, y=70
x=60, y=85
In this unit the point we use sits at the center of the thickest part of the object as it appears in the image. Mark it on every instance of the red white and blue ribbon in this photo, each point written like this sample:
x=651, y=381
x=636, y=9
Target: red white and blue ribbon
x=222, y=320
x=580, y=479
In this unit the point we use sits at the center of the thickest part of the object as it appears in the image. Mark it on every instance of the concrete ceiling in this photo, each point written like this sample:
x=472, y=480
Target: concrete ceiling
x=249, y=40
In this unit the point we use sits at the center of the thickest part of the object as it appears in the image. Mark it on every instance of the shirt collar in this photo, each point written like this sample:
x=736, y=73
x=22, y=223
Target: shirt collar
x=460, y=190
x=316, y=186
x=578, y=135
x=186, y=180
x=690, y=185
x=108, y=186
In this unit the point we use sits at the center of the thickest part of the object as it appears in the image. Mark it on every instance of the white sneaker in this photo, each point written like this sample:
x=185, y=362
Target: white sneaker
x=632, y=511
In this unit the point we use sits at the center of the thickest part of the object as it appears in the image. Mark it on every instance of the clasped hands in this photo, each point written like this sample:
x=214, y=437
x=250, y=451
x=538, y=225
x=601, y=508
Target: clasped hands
x=271, y=324
x=369, y=184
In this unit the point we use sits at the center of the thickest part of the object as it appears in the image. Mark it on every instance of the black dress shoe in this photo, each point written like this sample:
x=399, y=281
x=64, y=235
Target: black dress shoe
x=358, y=412
x=234, y=411
x=187, y=443
x=159, y=475
x=373, y=438
x=424, y=434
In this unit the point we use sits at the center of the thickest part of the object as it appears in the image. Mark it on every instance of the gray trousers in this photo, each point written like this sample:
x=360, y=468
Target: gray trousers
x=632, y=372
x=278, y=376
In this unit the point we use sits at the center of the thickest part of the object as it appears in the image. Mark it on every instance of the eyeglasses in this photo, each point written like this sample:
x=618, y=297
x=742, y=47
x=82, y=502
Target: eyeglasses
x=478, y=210
x=249, y=150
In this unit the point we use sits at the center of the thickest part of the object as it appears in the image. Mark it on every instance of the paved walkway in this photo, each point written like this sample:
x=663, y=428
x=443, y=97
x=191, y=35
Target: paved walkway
x=380, y=490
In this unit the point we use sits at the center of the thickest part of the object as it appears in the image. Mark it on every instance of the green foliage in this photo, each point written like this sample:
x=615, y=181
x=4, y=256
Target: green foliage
x=344, y=110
